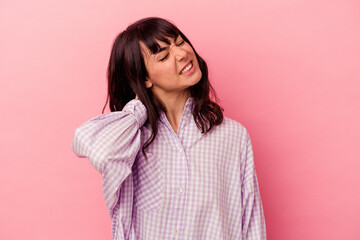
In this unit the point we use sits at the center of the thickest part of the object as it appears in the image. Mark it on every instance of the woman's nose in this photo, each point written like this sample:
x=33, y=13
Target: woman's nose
x=180, y=53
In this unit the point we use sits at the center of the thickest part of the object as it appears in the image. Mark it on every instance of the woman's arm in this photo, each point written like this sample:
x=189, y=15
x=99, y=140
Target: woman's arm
x=111, y=142
x=253, y=220
x=111, y=137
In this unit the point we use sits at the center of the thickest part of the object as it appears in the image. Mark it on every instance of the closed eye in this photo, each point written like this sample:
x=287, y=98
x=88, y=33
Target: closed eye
x=164, y=58
x=181, y=43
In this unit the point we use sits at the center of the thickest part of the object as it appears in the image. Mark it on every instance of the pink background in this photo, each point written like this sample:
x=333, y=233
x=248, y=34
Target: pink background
x=288, y=70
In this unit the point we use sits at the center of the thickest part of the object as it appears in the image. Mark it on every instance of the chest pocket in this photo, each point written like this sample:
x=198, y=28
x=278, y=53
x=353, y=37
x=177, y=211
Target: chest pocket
x=148, y=182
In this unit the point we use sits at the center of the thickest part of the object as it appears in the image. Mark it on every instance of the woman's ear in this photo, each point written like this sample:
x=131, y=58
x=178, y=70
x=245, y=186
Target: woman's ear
x=148, y=84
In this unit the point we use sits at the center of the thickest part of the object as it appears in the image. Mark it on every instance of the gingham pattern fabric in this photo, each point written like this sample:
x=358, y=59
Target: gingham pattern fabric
x=192, y=186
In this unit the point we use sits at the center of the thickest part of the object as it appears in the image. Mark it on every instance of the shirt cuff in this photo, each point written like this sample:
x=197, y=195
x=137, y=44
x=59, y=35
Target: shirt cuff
x=137, y=108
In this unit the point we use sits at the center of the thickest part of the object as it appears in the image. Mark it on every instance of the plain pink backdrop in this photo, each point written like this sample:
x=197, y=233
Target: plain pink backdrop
x=288, y=70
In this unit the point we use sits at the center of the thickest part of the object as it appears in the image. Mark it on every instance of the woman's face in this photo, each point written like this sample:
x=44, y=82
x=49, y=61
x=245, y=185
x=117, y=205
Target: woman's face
x=172, y=70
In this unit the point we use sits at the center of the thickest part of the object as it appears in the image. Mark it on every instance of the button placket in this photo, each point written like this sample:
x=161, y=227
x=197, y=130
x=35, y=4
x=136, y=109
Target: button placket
x=178, y=184
x=179, y=189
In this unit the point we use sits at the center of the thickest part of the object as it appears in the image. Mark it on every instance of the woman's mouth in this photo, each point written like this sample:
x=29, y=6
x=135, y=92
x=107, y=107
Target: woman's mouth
x=187, y=68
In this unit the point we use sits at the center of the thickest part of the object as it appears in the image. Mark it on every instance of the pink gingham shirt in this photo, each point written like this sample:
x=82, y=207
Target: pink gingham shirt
x=192, y=186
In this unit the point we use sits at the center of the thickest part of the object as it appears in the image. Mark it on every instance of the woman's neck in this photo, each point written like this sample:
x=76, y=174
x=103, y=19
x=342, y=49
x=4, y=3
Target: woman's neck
x=175, y=104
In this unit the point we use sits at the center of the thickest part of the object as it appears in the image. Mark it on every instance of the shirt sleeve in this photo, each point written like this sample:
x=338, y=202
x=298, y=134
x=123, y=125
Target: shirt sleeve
x=111, y=142
x=253, y=220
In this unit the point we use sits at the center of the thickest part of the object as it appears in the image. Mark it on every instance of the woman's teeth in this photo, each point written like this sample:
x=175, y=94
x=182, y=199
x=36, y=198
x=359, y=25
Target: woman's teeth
x=187, y=68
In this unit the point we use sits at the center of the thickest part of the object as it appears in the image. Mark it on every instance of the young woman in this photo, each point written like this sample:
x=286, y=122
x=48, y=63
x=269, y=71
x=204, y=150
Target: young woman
x=173, y=167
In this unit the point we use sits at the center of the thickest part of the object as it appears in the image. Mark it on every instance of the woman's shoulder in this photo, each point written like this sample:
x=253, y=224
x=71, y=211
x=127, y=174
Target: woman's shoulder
x=231, y=128
x=231, y=124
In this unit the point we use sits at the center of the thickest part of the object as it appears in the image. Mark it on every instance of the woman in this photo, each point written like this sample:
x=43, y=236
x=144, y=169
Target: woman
x=172, y=166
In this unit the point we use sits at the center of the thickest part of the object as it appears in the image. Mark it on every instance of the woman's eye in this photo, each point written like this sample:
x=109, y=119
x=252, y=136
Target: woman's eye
x=164, y=57
x=181, y=43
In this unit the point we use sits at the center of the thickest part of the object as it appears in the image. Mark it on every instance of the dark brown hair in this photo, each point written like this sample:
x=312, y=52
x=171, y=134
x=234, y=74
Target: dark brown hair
x=127, y=75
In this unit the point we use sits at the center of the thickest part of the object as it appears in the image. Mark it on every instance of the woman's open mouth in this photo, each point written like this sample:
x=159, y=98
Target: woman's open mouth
x=187, y=68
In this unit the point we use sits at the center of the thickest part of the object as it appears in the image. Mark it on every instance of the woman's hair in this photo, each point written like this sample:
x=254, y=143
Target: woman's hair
x=127, y=75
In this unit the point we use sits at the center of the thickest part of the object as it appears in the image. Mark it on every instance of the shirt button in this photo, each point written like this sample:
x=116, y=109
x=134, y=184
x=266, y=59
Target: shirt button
x=180, y=190
x=175, y=231
x=180, y=151
x=187, y=119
